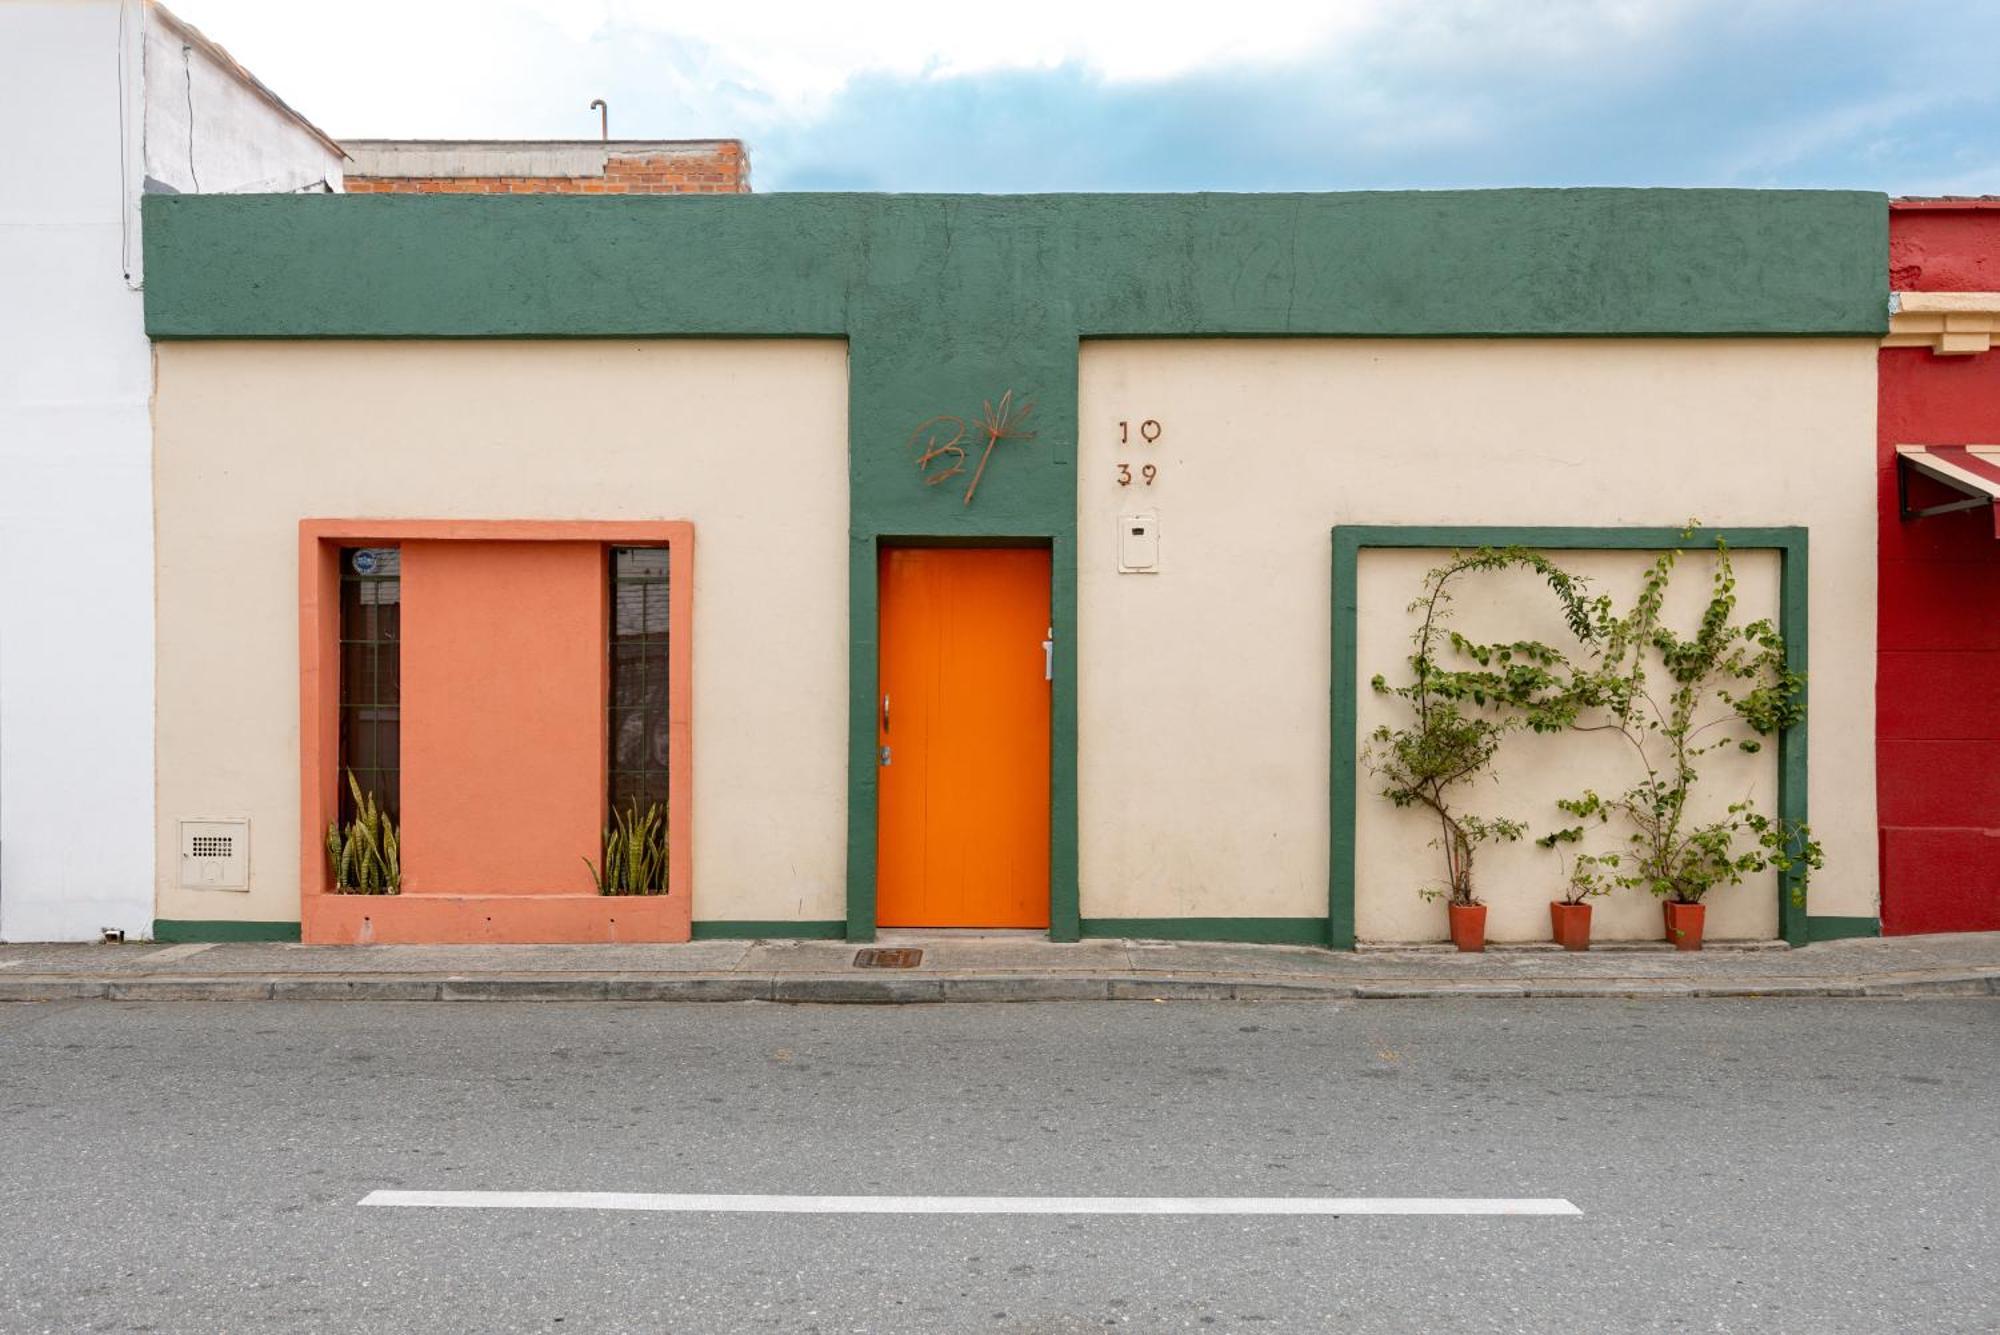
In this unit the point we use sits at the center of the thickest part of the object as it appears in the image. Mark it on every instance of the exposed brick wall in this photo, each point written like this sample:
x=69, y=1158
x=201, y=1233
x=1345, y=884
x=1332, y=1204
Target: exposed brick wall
x=723, y=171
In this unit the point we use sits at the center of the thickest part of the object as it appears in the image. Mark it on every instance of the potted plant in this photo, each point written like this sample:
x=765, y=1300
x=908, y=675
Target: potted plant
x=1725, y=686
x=635, y=852
x=366, y=854
x=1584, y=878
x=1458, y=718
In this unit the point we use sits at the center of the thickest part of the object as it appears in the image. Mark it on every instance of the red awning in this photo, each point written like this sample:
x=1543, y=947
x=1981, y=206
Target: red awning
x=1971, y=470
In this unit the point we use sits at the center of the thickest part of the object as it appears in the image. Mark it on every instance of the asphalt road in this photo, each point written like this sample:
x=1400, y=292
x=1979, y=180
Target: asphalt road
x=1769, y=1166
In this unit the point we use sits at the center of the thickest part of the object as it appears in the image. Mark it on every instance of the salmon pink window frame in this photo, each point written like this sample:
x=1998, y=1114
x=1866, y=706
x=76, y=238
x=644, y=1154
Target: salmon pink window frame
x=320, y=544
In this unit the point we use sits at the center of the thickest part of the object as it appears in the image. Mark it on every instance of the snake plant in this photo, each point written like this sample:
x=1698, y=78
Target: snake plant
x=635, y=852
x=366, y=855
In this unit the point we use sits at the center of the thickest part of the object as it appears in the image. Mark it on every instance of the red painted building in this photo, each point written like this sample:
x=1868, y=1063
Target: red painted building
x=1938, y=681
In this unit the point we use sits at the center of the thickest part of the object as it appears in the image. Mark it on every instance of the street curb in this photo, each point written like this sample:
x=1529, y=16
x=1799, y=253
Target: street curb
x=356, y=989
x=188, y=989
x=525, y=989
x=703, y=987
x=1937, y=985
x=908, y=989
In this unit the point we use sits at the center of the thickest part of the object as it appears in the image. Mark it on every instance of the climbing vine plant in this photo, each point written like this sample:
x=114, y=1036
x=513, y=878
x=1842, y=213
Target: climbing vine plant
x=1673, y=698
x=1458, y=715
x=1676, y=699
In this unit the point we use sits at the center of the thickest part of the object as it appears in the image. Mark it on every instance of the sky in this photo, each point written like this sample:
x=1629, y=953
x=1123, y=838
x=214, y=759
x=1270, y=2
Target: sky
x=1034, y=95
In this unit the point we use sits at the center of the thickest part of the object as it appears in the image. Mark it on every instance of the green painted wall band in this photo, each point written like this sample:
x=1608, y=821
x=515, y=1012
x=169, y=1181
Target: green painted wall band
x=1841, y=929
x=904, y=268
x=1350, y=540
x=773, y=929
x=1263, y=931
x=221, y=930
x=1255, y=931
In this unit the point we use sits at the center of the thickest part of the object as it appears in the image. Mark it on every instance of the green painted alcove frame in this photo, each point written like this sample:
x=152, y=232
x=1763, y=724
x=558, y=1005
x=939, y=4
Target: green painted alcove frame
x=1351, y=540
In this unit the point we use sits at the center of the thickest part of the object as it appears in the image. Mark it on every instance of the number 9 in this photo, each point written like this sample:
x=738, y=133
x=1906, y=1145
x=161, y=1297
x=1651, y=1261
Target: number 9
x=1149, y=472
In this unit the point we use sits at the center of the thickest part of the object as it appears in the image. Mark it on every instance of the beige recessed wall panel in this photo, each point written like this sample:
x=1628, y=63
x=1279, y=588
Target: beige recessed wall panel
x=1394, y=858
x=1204, y=688
x=748, y=440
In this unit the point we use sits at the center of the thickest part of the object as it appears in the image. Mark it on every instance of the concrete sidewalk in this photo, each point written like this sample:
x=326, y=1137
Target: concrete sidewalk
x=988, y=968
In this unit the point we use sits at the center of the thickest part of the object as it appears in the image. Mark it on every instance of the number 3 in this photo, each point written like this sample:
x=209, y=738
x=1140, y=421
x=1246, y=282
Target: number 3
x=1124, y=475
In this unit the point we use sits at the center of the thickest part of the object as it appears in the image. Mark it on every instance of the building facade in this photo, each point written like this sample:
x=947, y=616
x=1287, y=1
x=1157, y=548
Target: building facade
x=100, y=105
x=1938, y=700
x=967, y=562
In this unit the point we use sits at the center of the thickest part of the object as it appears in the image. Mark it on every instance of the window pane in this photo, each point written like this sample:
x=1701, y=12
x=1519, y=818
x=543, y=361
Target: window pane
x=389, y=678
x=357, y=743
x=627, y=789
x=630, y=563
x=637, y=720
x=628, y=611
x=656, y=610
x=371, y=593
x=628, y=739
x=357, y=674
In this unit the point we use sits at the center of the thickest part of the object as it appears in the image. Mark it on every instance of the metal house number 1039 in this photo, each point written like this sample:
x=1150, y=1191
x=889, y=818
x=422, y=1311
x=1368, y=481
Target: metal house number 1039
x=1148, y=433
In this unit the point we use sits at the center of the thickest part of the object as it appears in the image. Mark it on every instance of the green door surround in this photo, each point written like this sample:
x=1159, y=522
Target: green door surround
x=1350, y=540
x=947, y=301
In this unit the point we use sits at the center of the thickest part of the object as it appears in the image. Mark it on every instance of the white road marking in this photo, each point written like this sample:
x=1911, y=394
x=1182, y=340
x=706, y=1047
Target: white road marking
x=179, y=952
x=1155, y=1205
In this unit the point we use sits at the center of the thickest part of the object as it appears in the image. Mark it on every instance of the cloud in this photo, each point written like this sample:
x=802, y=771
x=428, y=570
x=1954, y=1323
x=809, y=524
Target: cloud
x=1062, y=95
x=1771, y=94
x=803, y=50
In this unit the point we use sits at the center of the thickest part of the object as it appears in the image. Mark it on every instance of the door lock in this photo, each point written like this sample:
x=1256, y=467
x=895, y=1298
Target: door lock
x=885, y=757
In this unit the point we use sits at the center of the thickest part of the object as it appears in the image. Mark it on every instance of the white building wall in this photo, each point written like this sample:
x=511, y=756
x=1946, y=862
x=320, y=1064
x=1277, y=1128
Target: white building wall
x=76, y=540
x=207, y=132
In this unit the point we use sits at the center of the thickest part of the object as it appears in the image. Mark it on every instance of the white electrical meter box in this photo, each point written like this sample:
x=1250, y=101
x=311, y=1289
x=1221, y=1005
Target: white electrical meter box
x=1139, y=544
x=215, y=854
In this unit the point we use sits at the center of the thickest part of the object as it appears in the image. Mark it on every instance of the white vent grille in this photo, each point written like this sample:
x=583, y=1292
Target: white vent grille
x=215, y=854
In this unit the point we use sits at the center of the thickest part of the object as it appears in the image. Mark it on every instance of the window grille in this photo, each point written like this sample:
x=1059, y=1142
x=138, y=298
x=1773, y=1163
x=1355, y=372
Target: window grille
x=637, y=737
x=371, y=679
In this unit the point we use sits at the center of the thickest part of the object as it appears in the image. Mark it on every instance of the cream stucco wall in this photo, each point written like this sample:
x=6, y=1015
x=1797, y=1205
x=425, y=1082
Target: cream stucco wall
x=1204, y=688
x=748, y=440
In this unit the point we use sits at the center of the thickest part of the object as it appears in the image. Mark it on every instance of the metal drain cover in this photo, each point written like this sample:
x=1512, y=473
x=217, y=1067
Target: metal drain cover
x=898, y=957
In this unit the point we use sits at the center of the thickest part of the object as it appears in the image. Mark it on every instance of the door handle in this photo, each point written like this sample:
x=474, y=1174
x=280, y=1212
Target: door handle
x=885, y=712
x=1049, y=656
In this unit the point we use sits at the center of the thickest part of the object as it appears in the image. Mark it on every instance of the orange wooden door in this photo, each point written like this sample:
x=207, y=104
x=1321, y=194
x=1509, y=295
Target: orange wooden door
x=962, y=825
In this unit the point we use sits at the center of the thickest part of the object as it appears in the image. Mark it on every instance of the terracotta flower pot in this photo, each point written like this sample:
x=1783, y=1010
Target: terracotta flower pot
x=1684, y=922
x=1468, y=926
x=1570, y=924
